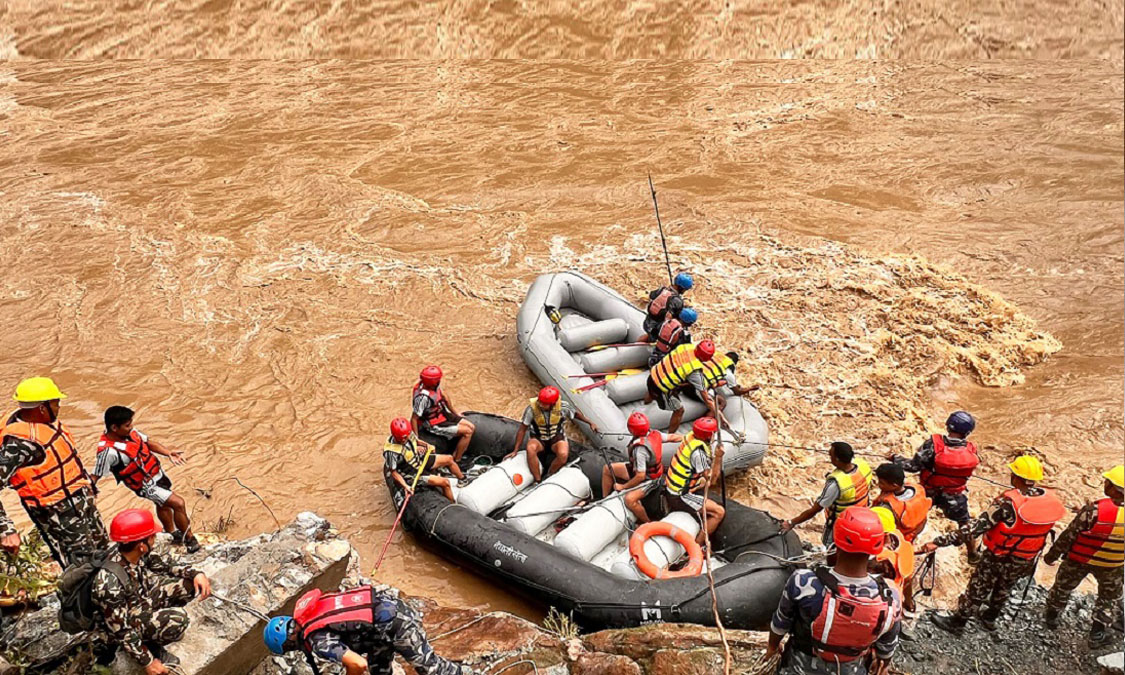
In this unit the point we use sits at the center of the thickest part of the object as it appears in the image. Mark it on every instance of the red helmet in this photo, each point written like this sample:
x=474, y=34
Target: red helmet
x=400, y=429
x=132, y=525
x=548, y=396
x=704, y=428
x=705, y=350
x=858, y=530
x=431, y=376
x=638, y=424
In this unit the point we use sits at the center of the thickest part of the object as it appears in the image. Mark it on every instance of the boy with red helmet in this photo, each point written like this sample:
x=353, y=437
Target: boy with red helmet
x=434, y=413
x=404, y=452
x=838, y=618
x=544, y=417
x=645, y=452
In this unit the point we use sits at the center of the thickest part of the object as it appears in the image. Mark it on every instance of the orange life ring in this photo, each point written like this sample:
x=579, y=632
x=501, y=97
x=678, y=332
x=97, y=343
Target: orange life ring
x=662, y=529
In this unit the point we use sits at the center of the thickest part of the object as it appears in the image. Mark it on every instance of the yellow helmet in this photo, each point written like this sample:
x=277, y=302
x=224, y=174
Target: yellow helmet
x=1027, y=467
x=886, y=517
x=37, y=390
x=1116, y=475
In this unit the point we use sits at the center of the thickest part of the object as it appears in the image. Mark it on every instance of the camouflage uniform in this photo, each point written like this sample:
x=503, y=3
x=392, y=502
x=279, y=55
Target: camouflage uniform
x=1071, y=573
x=148, y=612
x=379, y=644
x=72, y=528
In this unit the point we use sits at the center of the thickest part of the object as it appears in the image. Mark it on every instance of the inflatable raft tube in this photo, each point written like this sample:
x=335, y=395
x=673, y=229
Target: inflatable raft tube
x=592, y=315
x=556, y=566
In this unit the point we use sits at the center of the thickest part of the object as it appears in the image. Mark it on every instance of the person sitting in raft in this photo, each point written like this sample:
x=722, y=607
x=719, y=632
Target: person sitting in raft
x=544, y=416
x=848, y=485
x=681, y=369
x=434, y=412
x=696, y=464
x=403, y=452
x=664, y=302
x=645, y=464
x=672, y=333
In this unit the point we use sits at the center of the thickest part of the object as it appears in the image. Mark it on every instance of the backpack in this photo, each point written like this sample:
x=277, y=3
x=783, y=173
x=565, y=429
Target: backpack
x=77, y=612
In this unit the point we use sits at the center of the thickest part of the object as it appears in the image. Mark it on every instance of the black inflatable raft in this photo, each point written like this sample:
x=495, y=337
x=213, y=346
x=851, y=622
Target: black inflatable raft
x=748, y=550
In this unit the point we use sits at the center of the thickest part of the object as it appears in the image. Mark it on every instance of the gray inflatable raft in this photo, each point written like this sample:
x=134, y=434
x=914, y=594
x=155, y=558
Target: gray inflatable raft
x=592, y=315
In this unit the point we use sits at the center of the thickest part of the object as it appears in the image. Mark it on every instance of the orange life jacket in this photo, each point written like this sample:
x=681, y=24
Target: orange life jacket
x=654, y=441
x=1026, y=537
x=58, y=476
x=656, y=305
x=438, y=412
x=317, y=611
x=1103, y=545
x=142, y=464
x=953, y=465
x=911, y=514
x=900, y=554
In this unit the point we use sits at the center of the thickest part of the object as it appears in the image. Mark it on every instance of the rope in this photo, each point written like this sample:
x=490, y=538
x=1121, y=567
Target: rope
x=246, y=608
x=513, y=665
x=710, y=572
x=459, y=628
x=402, y=510
x=207, y=495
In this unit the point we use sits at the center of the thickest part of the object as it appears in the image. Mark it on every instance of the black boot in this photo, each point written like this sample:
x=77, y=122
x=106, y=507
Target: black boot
x=1051, y=618
x=1099, y=636
x=988, y=622
x=163, y=655
x=191, y=543
x=177, y=537
x=950, y=623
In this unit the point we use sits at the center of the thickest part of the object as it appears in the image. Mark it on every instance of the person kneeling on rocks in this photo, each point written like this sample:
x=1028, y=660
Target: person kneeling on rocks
x=361, y=629
x=139, y=596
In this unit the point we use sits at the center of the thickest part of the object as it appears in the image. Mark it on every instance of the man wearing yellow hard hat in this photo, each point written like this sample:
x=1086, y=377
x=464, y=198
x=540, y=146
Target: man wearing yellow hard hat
x=1015, y=529
x=1094, y=544
x=38, y=459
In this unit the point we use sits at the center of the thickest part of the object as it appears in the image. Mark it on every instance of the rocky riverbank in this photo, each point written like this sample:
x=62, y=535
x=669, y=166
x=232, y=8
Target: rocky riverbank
x=267, y=573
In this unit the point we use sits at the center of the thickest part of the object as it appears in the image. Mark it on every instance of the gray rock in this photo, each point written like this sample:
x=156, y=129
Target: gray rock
x=1112, y=664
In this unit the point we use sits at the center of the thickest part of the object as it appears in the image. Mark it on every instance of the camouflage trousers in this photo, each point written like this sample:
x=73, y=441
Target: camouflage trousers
x=408, y=640
x=72, y=529
x=1071, y=574
x=991, y=584
x=161, y=617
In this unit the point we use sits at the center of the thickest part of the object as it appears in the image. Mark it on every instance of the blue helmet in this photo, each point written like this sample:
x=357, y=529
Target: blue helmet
x=961, y=422
x=688, y=316
x=684, y=281
x=276, y=633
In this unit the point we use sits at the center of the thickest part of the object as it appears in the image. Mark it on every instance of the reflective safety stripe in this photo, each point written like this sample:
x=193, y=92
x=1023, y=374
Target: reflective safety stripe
x=855, y=487
x=59, y=475
x=669, y=335
x=142, y=464
x=408, y=450
x=438, y=412
x=546, y=427
x=680, y=477
x=715, y=370
x=654, y=441
x=1103, y=545
x=673, y=370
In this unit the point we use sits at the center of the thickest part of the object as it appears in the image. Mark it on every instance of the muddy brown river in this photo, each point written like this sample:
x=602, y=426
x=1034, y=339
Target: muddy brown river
x=259, y=255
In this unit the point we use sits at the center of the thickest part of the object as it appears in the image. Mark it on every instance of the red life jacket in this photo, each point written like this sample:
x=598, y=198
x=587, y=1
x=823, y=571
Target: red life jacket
x=1035, y=516
x=656, y=305
x=654, y=441
x=952, y=466
x=316, y=611
x=438, y=412
x=1103, y=545
x=669, y=336
x=142, y=464
x=848, y=626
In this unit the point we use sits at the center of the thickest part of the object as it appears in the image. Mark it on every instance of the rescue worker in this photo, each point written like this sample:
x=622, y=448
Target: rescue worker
x=403, y=452
x=672, y=333
x=681, y=369
x=544, y=416
x=906, y=501
x=39, y=460
x=945, y=464
x=836, y=617
x=849, y=484
x=665, y=300
x=361, y=629
x=646, y=450
x=130, y=456
x=434, y=413
x=719, y=379
x=1093, y=544
x=896, y=563
x=1015, y=529
x=139, y=598
x=697, y=463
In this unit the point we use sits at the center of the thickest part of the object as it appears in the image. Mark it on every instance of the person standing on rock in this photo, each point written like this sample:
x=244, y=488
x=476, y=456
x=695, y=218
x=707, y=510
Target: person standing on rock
x=848, y=485
x=139, y=596
x=39, y=460
x=836, y=617
x=434, y=413
x=1015, y=530
x=665, y=302
x=1093, y=544
x=130, y=456
x=361, y=629
x=945, y=464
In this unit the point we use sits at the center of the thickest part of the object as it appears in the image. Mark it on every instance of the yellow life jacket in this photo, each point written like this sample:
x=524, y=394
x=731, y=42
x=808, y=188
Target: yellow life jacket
x=543, y=426
x=1103, y=545
x=680, y=477
x=673, y=370
x=855, y=487
x=715, y=370
x=408, y=450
